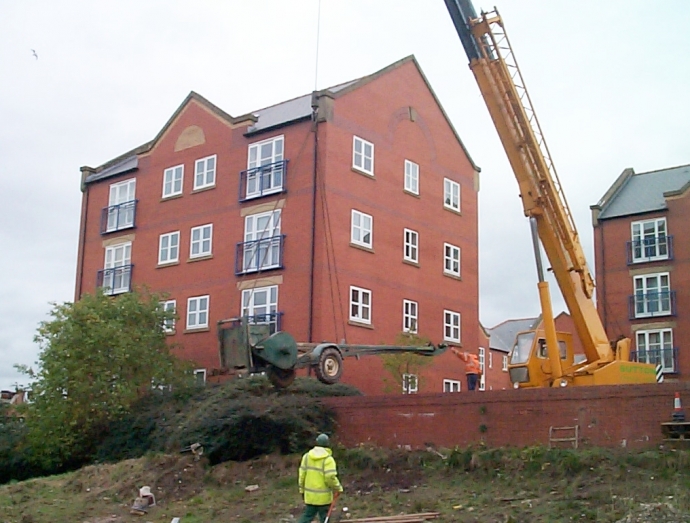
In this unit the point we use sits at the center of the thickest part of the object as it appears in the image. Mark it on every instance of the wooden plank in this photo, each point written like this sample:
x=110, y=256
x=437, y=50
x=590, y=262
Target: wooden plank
x=400, y=518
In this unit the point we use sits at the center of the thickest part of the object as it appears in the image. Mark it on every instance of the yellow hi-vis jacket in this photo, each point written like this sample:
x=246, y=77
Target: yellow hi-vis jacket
x=318, y=477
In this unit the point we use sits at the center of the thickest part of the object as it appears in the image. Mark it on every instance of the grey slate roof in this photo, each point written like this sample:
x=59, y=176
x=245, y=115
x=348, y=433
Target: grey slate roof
x=126, y=165
x=289, y=111
x=642, y=192
x=502, y=336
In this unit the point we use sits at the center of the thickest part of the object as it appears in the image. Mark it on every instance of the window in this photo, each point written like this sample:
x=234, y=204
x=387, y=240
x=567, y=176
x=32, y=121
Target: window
x=197, y=312
x=491, y=359
x=451, y=194
x=201, y=241
x=452, y=386
x=482, y=366
x=656, y=347
x=265, y=167
x=451, y=259
x=200, y=376
x=261, y=306
x=652, y=295
x=362, y=229
x=117, y=270
x=410, y=316
x=451, y=326
x=410, y=383
x=169, y=324
x=504, y=367
x=205, y=172
x=360, y=305
x=169, y=247
x=121, y=205
x=411, y=177
x=262, y=241
x=649, y=240
x=411, y=239
x=172, y=181
x=363, y=155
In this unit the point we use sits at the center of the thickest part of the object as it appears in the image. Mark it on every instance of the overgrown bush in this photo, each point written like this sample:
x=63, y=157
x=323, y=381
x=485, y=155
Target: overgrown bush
x=238, y=420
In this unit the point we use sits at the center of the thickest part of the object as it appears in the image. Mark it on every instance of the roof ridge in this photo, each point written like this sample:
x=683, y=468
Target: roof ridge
x=661, y=170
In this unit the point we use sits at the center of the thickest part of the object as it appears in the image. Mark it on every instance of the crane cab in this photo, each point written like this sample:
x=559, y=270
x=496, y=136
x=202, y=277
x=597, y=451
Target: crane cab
x=529, y=364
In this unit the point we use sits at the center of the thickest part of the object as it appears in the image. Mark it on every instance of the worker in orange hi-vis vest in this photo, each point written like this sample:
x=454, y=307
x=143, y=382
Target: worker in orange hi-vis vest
x=472, y=367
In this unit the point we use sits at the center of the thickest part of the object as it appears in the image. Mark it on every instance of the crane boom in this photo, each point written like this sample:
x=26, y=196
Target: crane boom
x=502, y=86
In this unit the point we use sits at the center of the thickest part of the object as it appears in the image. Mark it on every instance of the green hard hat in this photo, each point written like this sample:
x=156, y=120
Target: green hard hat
x=322, y=440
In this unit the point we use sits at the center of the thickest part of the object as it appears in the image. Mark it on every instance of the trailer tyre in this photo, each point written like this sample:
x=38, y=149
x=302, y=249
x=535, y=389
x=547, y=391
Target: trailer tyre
x=329, y=369
x=280, y=378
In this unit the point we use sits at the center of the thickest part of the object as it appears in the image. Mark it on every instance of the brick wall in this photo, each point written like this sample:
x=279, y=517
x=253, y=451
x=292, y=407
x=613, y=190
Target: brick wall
x=608, y=416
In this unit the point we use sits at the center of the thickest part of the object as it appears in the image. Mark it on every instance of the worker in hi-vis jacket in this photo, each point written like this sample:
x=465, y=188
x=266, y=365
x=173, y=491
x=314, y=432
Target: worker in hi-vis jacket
x=472, y=367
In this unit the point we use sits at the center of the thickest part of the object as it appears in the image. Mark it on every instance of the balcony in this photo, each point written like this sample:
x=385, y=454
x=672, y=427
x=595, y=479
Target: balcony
x=259, y=255
x=263, y=180
x=115, y=280
x=649, y=249
x=118, y=217
x=667, y=358
x=652, y=304
x=274, y=319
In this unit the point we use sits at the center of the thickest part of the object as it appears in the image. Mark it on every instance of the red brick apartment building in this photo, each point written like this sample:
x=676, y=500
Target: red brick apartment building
x=642, y=252
x=349, y=214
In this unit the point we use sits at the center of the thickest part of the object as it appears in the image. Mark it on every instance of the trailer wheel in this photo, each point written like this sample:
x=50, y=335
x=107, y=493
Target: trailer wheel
x=330, y=366
x=280, y=378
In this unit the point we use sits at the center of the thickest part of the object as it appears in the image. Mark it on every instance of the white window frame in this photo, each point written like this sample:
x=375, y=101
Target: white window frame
x=169, y=248
x=504, y=365
x=410, y=316
x=410, y=383
x=451, y=265
x=121, y=194
x=410, y=245
x=411, y=177
x=202, y=373
x=204, y=242
x=119, y=255
x=267, y=298
x=452, y=385
x=653, y=231
x=360, y=305
x=173, y=176
x=642, y=291
x=452, y=330
x=270, y=181
x=266, y=238
x=451, y=194
x=482, y=367
x=664, y=344
x=362, y=229
x=169, y=325
x=205, y=172
x=198, y=308
x=491, y=359
x=362, y=152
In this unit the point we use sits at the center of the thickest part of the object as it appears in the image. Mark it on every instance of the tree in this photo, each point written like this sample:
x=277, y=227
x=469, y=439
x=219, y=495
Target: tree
x=97, y=357
x=402, y=364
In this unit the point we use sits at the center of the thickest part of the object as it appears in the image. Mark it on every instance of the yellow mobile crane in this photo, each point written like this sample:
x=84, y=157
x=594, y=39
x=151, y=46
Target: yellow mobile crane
x=545, y=357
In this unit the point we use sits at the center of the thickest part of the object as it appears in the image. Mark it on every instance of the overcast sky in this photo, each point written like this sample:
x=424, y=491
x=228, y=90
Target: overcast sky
x=609, y=81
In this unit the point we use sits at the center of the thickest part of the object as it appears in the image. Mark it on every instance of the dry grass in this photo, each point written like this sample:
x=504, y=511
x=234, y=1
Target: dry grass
x=469, y=485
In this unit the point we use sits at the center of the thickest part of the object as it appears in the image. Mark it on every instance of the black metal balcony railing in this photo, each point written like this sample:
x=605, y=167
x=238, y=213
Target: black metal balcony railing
x=651, y=304
x=649, y=249
x=259, y=255
x=263, y=180
x=667, y=358
x=274, y=319
x=115, y=280
x=118, y=217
